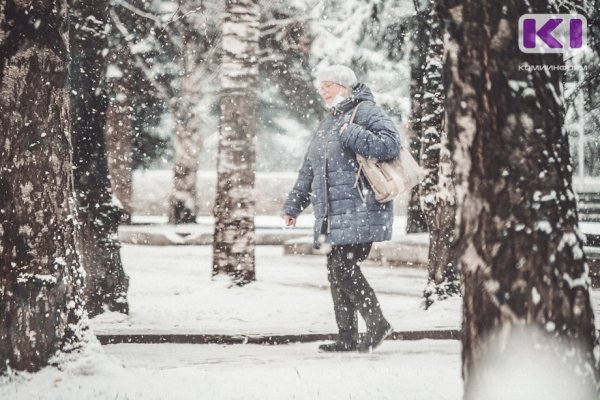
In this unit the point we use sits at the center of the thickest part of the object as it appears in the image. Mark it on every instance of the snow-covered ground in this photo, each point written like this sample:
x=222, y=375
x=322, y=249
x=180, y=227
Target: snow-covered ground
x=171, y=292
x=421, y=370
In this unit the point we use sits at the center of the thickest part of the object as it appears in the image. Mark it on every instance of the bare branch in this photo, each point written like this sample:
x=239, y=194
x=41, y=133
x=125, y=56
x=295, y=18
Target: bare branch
x=164, y=92
x=171, y=20
x=174, y=14
x=137, y=11
x=285, y=21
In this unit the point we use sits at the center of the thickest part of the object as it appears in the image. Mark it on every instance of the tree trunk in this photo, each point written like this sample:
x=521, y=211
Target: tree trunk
x=119, y=149
x=594, y=28
x=186, y=141
x=285, y=44
x=521, y=253
x=234, y=238
x=592, y=89
x=41, y=280
x=437, y=190
x=415, y=222
x=106, y=282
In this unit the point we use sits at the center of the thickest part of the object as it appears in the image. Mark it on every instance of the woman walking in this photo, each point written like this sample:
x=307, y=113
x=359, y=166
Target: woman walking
x=348, y=218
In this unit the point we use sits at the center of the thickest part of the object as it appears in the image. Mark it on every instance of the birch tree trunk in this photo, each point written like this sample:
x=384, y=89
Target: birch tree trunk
x=41, y=280
x=521, y=253
x=119, y=149
x=234, y=238
x=186, y=141
x=106, y=282
x=437, y=190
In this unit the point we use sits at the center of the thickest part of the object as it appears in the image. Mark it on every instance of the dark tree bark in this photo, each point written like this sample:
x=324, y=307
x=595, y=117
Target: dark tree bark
x=436, y=192
x=594, y=27
x=106, y=282
x=234, y=238
x=415, y=222
x=521, y=256
x=41, y=280
x=592, y=78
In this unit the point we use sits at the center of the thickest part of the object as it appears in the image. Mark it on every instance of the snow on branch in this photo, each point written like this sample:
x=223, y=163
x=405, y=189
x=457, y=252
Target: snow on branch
x=164, y=92
x=137, y=11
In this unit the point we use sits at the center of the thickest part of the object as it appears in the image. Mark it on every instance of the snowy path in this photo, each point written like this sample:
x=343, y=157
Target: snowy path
x=421, y=370
x=398, y=370
x=171, y=292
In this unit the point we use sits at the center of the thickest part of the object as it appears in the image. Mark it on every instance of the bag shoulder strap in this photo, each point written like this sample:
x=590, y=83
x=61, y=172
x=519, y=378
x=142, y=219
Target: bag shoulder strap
x=354, y=113
x=355, y=110
x=360, y=159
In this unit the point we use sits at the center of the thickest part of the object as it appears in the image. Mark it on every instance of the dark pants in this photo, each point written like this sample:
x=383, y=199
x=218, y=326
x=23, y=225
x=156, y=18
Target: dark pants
x=350, y=290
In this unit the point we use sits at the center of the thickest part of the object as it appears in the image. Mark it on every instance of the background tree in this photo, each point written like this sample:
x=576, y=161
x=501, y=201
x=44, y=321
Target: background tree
x=370, y=37
x=171, y=46
x=582, y=92
x=436, y=192
x=295, y=39
x=139, y=83
x=41, y=279
x=120, y=140
x=594, y=26
x=195, y=39
x=125, y=86
x=234, y=237
x=521, y=254
x=285, y=45
x=186, y=140
x=106, y=282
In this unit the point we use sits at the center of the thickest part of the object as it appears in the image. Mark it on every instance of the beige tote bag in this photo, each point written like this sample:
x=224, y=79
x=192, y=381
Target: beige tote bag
x=388, y=178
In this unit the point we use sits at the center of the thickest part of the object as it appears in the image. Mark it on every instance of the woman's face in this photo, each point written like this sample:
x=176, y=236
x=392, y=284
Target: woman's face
x=329, y=90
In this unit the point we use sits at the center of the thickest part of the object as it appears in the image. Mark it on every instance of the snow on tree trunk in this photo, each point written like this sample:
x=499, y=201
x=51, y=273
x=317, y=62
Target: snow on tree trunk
x=119, y=149
x=106, y=282
x=437, y=191
x=594, y=26
x=41, y=280
x=592, y=78
x=415, y=222
x=521, y=253
x=234, y=238
x=186, y=141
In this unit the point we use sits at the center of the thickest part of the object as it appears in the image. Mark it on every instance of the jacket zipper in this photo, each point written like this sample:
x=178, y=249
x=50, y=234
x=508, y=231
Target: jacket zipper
x=326, y=185
x=325, y=175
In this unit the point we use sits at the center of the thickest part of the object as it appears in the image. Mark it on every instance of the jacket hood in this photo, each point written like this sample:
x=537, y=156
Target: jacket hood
x=360, y=92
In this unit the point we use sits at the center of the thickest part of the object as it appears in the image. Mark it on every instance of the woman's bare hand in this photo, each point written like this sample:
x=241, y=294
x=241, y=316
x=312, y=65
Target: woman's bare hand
x=289, y=221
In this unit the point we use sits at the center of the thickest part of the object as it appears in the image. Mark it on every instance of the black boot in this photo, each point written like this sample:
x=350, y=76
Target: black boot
x=337, y=346
x=345, y=342
x=375, y=336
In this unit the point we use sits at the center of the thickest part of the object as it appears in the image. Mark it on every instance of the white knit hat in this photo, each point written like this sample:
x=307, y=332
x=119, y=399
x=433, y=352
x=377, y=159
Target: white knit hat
x=339, y=74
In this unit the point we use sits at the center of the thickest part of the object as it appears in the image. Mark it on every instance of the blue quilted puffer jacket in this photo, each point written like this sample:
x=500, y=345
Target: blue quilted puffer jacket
x=328, y=174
